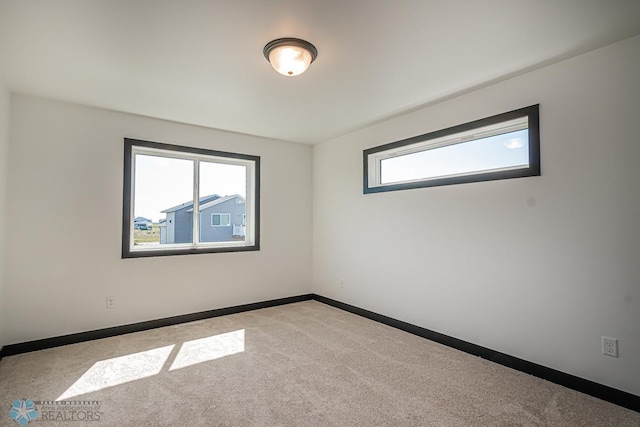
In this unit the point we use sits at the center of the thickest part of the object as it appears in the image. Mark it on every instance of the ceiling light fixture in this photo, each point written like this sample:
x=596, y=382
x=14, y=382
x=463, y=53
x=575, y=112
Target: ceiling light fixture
x=289, y=56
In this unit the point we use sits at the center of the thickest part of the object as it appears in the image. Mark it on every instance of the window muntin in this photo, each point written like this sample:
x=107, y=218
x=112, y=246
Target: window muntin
x=181, y=188
x=498, y=147
x=221, y=220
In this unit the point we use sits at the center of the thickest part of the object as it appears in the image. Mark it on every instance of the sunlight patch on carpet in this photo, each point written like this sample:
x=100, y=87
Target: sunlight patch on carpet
x=136, y=366
x=210, y=348
x=119, y=370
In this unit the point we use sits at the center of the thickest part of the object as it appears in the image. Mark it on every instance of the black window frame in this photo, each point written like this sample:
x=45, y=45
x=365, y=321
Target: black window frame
x=531, y=112
x=127, y=217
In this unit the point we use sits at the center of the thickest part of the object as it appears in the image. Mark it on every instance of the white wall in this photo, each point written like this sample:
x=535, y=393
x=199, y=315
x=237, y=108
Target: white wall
x=539, y=268
x=65, y=216
x=4, y=162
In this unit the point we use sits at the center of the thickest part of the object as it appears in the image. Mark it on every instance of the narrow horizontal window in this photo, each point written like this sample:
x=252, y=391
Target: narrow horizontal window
x=498, y=147
x=182, y=200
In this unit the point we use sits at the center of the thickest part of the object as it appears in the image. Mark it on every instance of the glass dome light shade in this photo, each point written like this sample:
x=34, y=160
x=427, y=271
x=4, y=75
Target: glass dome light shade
x=290, y=57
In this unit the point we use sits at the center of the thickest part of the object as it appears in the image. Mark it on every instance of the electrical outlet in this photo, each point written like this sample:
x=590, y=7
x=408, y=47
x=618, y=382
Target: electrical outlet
x=610, y=346
x=341, y=283
x=111, y=302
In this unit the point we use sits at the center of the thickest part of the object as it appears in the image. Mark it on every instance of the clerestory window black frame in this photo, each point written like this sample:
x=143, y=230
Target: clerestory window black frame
x=371, y=157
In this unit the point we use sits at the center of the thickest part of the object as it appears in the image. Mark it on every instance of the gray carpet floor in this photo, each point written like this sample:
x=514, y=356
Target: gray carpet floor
x=303, y=364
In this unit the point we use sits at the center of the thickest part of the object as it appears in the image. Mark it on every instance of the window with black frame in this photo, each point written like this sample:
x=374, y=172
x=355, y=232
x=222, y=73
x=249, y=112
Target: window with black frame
x=499, y=147
x=184, y=200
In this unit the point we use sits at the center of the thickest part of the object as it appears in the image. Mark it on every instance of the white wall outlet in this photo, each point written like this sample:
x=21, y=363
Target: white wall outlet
x=610, y=346
x=111, y=302
x=341, y=283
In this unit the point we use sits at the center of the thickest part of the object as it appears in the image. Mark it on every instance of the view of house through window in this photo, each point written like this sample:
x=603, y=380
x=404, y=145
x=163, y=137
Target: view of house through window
x=188, y=200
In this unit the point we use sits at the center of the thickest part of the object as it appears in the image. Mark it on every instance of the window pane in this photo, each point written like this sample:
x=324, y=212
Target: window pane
x=508, y=150
x=223, y=188
x=163, y=191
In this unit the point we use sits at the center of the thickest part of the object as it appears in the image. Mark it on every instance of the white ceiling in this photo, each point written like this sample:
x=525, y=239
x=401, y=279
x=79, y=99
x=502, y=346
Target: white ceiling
x=201, y=62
